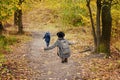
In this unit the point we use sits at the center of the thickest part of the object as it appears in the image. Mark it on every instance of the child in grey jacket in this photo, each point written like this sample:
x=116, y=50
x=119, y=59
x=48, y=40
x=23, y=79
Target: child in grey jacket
x=60, y=51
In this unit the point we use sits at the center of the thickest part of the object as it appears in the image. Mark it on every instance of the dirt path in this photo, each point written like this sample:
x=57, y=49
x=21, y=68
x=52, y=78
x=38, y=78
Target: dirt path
x=47, y=65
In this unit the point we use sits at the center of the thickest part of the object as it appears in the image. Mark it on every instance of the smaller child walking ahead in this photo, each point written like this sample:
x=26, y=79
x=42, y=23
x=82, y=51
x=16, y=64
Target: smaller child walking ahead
x=63, y=47
x=47, y=38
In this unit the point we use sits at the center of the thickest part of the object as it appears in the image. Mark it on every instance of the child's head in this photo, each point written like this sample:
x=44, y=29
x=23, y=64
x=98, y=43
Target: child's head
x=60, y=34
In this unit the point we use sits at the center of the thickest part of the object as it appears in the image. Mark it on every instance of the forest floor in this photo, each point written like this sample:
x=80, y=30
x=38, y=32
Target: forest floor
x=29, y=61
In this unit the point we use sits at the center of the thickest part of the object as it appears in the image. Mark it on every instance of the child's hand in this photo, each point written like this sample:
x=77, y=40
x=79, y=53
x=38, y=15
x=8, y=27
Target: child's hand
x=41, y=49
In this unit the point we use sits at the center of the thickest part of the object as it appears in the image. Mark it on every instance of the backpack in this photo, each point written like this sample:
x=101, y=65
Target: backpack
x=64, y=46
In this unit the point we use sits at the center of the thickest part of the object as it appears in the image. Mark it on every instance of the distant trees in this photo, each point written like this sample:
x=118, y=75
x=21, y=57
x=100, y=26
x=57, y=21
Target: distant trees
x=7, y=7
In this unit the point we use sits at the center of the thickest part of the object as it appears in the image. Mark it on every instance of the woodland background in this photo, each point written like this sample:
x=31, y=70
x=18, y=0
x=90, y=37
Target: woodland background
x=78, y=18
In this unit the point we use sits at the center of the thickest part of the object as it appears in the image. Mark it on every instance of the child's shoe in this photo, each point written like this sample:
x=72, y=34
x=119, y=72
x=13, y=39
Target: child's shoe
x=66, y=60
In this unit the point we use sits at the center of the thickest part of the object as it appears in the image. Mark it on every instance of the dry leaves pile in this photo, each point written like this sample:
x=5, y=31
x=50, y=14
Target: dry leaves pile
x=13, y=71
x=14, y=65
x=95, y=66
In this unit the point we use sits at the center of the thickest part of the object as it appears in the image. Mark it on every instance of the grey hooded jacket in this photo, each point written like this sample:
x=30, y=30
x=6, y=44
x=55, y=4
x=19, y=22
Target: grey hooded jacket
x=59, y=51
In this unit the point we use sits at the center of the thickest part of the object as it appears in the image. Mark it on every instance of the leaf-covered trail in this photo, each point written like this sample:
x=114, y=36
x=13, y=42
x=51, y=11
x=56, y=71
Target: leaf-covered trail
x=47, y=65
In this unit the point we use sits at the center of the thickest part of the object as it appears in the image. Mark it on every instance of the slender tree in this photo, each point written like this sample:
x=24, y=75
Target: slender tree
x=92, y=23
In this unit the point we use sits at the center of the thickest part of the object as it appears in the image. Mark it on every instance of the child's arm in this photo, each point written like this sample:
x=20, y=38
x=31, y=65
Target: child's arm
x=51, y=47
x=44, y=36
x=71, y=43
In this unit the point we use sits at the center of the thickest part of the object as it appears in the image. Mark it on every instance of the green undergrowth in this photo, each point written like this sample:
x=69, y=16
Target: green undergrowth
x=8, y=40
x=5, y=41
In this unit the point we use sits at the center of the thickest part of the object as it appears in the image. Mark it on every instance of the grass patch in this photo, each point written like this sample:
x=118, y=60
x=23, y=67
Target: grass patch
x=8, y=40
x=5, y=41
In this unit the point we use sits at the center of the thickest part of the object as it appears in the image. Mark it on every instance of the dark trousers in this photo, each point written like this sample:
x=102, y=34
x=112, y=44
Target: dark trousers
x=47, y=43
x=64, y=60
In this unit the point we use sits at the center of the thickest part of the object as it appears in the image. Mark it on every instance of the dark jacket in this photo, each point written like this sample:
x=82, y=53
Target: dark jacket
x=47, y=37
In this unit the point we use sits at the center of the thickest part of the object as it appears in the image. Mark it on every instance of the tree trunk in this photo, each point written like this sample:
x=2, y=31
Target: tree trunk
x=16, y=17
x=92, y=23
x=20, y=25
x=106, y=29
x=19, y=18
x=1, y=28
x=98, y=25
